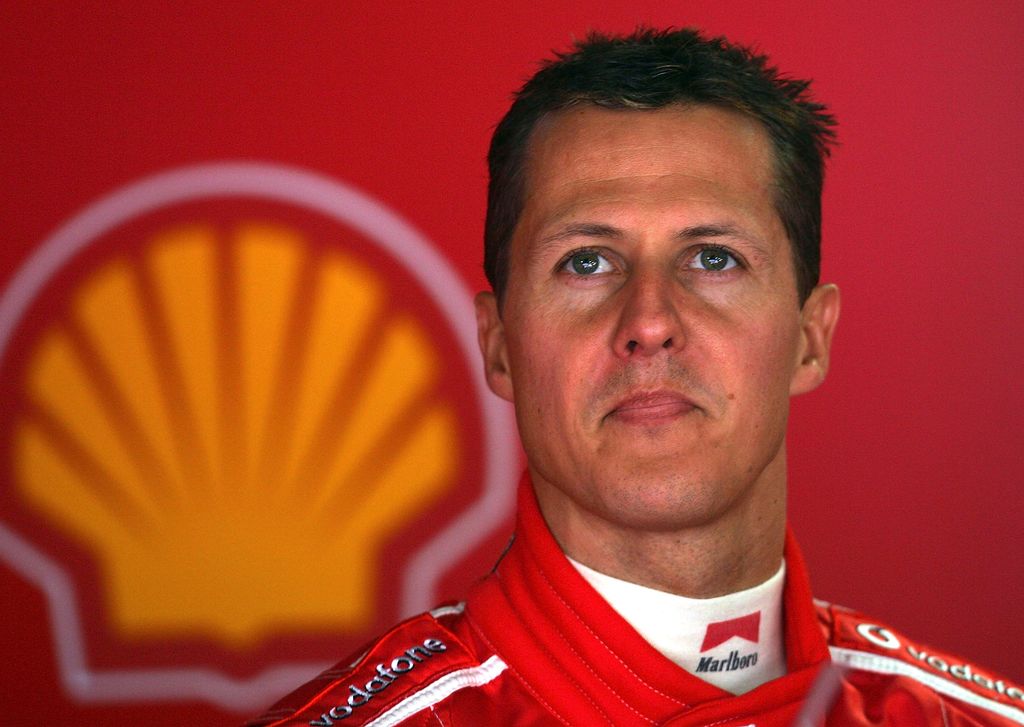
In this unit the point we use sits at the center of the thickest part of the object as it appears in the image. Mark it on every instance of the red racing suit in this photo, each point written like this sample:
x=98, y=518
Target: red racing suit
x=534, y=644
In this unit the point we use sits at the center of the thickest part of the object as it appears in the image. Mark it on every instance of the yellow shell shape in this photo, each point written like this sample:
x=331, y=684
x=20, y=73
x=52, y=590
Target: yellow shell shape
x=235, y=428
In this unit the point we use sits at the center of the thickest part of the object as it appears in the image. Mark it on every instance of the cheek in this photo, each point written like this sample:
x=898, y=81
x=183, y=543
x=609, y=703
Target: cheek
x=553, y=378
x=767, y=354
x=548, y=348
x=535, y=364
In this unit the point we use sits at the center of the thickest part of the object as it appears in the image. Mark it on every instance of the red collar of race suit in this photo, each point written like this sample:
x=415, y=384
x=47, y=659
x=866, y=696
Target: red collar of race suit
x=580, y=657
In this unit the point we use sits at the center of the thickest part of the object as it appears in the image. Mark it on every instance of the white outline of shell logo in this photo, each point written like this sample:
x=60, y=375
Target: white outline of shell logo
x=424, y=568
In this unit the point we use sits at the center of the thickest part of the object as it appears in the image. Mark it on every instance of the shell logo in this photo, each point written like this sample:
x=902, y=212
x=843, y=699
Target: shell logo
x=236, y=403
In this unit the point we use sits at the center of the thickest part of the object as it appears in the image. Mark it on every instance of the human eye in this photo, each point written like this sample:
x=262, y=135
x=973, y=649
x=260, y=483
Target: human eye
x=714, y=260
x=585, y=262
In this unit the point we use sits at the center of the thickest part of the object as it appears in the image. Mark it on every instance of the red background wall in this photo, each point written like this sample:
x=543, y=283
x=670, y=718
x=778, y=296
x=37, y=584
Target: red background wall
x=906, y=467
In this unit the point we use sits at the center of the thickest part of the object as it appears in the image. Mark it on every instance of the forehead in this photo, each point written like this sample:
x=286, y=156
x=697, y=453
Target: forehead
x=695, y=154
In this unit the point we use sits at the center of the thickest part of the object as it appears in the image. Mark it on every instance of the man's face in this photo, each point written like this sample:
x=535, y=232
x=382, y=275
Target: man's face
x=651, y=334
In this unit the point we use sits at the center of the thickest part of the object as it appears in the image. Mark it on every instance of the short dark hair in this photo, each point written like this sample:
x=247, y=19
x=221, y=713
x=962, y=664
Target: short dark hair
x=651, y=69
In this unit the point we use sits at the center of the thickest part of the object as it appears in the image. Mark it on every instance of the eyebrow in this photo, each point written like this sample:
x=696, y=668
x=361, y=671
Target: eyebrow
x=700, y=231
x=581, y=229
x=597, y=230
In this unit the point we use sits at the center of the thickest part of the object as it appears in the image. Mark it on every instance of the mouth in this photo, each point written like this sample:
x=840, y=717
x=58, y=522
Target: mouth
x=651, y=408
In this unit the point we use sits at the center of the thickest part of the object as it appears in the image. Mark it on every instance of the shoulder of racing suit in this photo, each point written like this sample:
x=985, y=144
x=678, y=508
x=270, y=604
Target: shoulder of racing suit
x=412, y=667
x=875, y=657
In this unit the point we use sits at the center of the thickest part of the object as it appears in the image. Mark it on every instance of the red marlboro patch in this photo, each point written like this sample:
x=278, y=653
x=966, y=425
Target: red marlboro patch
x=746, y=627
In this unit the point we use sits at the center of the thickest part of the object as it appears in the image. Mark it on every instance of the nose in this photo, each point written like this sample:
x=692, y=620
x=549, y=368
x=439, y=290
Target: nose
x=649, y=317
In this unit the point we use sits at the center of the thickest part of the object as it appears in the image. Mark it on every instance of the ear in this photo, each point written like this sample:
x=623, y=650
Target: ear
x=817, y=324
x=490, y=333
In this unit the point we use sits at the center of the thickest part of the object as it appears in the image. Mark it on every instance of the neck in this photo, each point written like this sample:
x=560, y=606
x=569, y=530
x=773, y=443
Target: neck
x=707, y=554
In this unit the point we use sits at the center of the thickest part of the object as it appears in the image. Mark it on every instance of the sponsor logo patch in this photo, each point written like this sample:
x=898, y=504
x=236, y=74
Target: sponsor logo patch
x=732, y=662
x=386, y=675
x=886, y=639
x=745, y=627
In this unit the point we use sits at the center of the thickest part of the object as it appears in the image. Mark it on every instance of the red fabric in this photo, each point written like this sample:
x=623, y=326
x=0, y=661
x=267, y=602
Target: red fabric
x=568, y=658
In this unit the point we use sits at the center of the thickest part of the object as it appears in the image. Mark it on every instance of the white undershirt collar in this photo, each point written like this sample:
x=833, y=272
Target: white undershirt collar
x=734, y=641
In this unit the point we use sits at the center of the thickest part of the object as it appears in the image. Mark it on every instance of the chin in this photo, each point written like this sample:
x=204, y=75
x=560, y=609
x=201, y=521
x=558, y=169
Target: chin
x=663, y=502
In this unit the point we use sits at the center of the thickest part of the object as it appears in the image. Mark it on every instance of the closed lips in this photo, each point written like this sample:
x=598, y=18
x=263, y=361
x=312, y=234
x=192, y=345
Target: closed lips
x=652, y=406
